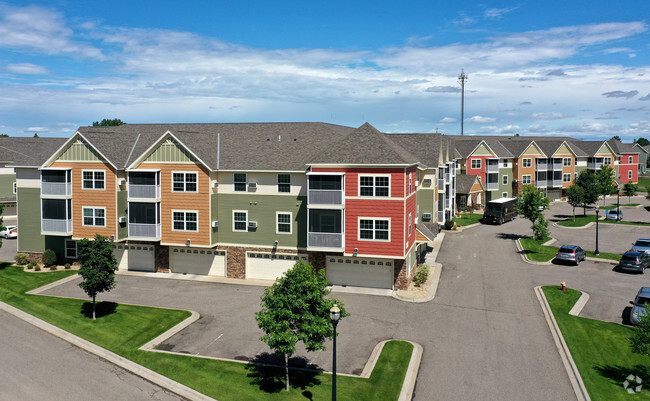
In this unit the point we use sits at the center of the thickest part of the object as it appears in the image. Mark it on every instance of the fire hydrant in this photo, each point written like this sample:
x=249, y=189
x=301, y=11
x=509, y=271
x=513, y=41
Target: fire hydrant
x=563, y=286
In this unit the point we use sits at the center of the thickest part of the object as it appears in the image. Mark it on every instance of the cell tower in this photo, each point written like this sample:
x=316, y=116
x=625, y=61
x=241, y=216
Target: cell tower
x=461, y=80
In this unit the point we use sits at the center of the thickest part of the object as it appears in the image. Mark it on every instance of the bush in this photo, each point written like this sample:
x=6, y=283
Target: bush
x=21, y=259
x=30, y=266
x=53, y=267
x=37, y=268
x=49, y=257
x=67, y=266
x=449, y=224
x=421, y=274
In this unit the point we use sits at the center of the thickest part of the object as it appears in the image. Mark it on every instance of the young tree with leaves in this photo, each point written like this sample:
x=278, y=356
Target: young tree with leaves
x=98, y=266
x=108, y=123
x=530, y=205
x=605, y=181
x=575, y=196
x=295, y=309
x=629, y=190
x=640, y=339
x=587, y=181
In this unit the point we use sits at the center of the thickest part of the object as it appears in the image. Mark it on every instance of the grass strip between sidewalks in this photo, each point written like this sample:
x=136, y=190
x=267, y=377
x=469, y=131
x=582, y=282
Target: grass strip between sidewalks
x=535, y=251
x=600, y=350
x=466, y=219
x=581, y=221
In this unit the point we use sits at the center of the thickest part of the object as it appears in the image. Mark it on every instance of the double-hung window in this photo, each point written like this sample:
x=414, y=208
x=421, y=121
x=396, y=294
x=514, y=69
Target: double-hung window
x=284, y=182
x=374, y=186
x=566, y=177
x=525, y=179
x=185, y=220
x=526, y=162
x=629, y=175
x=410, y=224
x=71, y=249
x=566, y=161
x=630, y=159
x=607, y=160
x=184, y=182
x=504, y=180
x=93, y=179
x=240, y=220
x=283, y=222
x=240, y=181
x=476, y=163
x=94, y=216
x=374, y=229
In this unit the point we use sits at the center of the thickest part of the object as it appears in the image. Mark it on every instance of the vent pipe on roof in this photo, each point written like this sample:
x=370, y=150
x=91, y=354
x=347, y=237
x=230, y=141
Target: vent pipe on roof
x=218, y=149
x=279, y=138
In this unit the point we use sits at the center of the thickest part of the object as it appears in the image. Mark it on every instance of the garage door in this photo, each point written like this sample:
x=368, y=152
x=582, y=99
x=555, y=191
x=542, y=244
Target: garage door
x=269, y=266
x=135, y=257
x=554, y=194
x=207, y=262
x=358, y=272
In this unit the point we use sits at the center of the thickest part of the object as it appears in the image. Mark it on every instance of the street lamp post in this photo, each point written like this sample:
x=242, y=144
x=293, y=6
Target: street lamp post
x=618, y=201
x=335, y=315
x=596, y=252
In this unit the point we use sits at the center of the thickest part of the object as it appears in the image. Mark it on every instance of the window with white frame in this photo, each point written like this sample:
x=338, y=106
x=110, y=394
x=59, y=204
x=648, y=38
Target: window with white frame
x=410, y=183
x=526, y=162
x=284, y=182
x=92, y=179
x=504, y=194
x=14, y=186
x=283, y=223
x=504, y=180
x=525, y=179
x=240, y=220
x=70, y=249
x=94, y=216
x=183, y=220
x=374, y=229
x=410, y=224
x=566, y=161
x=629, y=175
x=374, y=185
x=566, y=177
x=476, y=163
x=630, y=159
x=607, y=160
x=184, y=181
x=240, y=181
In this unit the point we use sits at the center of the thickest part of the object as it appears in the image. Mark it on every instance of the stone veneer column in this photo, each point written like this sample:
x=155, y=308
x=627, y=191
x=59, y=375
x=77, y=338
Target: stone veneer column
x=161, y=258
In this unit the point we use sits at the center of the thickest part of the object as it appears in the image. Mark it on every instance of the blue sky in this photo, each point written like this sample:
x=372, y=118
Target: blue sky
x=578, y=69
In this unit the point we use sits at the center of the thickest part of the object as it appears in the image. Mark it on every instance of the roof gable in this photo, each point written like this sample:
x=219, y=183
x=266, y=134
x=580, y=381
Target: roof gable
x=532, y=150
x=171, y=151
x=564, y=150
x=482, y=150
x=77, y=149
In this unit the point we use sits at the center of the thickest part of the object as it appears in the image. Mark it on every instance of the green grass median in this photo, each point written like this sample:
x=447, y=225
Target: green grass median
x=123, y=328
x=466, y=219
x=600, y=350
x=535, y=251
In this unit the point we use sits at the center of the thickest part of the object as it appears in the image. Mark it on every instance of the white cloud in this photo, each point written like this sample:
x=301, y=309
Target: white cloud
x=26, y=68
x=498, y=12
x=481, y=120
x=547, y=116
x=443, y=89
x=448, y=120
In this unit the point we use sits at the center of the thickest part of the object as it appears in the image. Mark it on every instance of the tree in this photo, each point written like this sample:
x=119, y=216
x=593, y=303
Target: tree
x=295, y=309
x=605, y=181
x=108, y=123
x=642, y=141
x=36, y=135
x=98, y=266
x=575, y=197
x=530, y=205
x=587, y=181
x=616, y=137
x=4, y=136
x=640, y=339
x=629, y=189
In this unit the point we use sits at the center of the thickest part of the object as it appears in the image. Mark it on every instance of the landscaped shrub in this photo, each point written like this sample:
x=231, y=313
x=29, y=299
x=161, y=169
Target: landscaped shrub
x=21, y=259
x=49, y=257
x=449, y=224
x=30, y=266
x=421, y=274
x=53, y=267
x=37, y=268
x=67, y=266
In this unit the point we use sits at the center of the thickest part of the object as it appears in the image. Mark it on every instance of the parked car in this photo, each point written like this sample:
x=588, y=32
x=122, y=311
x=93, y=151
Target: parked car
x=9, y=232
x=641, y=245
x=614, y=215
x=570, y=253
x=638, y=310
x=634, y=261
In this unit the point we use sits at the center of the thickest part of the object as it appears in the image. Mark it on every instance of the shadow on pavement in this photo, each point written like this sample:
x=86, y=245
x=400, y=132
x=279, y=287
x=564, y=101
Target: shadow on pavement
x=270, y=379
x=102, y=308
x=509, y=236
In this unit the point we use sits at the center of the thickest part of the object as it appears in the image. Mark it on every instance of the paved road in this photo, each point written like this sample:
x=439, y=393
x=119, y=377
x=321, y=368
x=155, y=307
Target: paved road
x=39, y=366
x=8, y=249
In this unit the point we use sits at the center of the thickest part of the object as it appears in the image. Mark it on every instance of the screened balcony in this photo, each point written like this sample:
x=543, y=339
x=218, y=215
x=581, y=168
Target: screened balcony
x=541, y=164
x=555, y=179
x=492, y=165
x=492, y=183
x=56, y=182
x=144, y=220
x=56, y=216
x=144, y=184
x=595, y=163
x=541, y=179
x=556, y=164
x=325, y=229
x=325, y=189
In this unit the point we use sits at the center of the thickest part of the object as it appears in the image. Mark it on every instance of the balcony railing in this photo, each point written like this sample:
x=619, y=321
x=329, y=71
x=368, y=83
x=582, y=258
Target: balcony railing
x=541, y=165
x=492, y=167
x=144, y=230
x=492, y=186
x=56, y=188
x=325, y=197
x=594, y=165
x=441, y=217
x=556, y=166
x=555, y=183
x=144, y=191
x=541, y=183
x=441, y=184
x=325, y=240
x=62, y=226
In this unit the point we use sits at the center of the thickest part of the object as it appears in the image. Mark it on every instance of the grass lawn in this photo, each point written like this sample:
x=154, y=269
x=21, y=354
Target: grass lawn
x=537, y=252
x=644, y=182
x=582, y=221
x=124, y=328
x=466, y=219
x=600, y=350
x=612, y=207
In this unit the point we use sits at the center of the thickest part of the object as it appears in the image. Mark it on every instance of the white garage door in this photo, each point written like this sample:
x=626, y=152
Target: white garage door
x=554, y=194
x=208, y=262
x=135, y=257
x=269, y=266
x=358, y=272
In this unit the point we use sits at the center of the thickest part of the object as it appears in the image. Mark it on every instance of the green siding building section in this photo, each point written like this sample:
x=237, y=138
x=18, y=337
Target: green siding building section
x=7, y=185
x=507, y=188
x=80, y=151
x=262, y=209
x=122, y=210
x=30, y=238
x=171, y=152
x=425, y=202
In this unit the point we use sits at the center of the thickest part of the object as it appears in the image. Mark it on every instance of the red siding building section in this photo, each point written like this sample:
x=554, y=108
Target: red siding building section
x=478, y=171
x=625, y=167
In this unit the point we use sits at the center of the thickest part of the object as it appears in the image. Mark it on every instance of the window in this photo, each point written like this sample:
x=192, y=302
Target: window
x=240, y=220
x=70, y=249
x=630, y=159
x=607, y=160
x=410, y=224
x=94, y=216
x=504, y=194
x=505, y=162
x=374, y=186
x=566, y=161
x=374, y=229
x=93, y=179
x=14, y=186
x=566, y=177
x=184, y=220
x=240, y=181
x=284, y=182
x=476, y=163
x=526, y=162
x=283, y=222
x=629, y=175
x=184, y=182
x=525, y=179
x=504, y=180
x=410, y=183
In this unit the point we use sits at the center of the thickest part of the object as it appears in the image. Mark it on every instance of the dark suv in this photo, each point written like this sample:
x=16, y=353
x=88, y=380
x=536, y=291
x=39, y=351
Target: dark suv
x=634, y=261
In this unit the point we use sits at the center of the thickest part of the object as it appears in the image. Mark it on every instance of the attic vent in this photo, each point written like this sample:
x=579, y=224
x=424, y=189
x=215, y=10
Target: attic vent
x=78, y=142
x=169, y=141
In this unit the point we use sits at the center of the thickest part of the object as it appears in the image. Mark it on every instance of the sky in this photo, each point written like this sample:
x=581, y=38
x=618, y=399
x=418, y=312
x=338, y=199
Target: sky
x=545, y=68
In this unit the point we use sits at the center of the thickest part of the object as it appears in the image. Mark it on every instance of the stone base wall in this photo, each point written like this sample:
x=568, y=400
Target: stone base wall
x=161, y=259
x=317, y=259
x=402, y=281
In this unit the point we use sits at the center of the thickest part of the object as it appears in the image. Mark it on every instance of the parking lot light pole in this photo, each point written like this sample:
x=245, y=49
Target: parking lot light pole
x=618, y=201
x=335, y=315
x=596, y=252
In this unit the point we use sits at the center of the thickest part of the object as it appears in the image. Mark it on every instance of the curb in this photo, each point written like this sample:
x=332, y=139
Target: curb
x=408, y=386
x=460, y=229
x=580, y=304
x=433, y=287
x=570, y=366
x=523, y=256
x=53, y=284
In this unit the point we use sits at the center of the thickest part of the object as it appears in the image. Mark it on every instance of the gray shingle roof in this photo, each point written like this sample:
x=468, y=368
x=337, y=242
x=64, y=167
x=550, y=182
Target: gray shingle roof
x=464, y=183
x=426, y=147
x=28, y=151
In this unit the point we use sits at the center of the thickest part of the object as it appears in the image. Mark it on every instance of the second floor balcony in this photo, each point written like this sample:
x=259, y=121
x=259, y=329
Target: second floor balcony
x=144, y=184
x=492, y=181
x=556, y=164
x=144, y=220
x=56, y=182
x=492, y=165
x=56, y=216
x=148, y=231
x=595, y=163
x=58, y=226
x=325, y=189
x=541, y=164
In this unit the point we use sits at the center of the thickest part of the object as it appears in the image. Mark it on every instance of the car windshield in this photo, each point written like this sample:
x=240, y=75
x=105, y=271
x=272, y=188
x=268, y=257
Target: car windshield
x=642, y=243
x=613, y=211
x=643, y=300
x=565, y=250
x=629, y=258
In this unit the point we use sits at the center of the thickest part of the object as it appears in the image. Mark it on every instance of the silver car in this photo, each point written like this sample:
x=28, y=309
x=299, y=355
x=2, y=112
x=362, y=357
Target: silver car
x=614, y=215
x=570, y=253
x=638, y=309
x=641, y=245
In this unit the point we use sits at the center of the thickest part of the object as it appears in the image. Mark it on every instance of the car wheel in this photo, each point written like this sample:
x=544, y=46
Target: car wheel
x=501, y=221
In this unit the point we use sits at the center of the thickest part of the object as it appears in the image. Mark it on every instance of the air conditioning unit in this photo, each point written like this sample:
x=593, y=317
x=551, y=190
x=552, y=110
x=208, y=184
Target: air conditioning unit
x=252, y=185
x=122, y=219
x=215, y=184
x=427, y=181
x=426, y=216
x=215, y=224
x=252, y=224
x=417, y=183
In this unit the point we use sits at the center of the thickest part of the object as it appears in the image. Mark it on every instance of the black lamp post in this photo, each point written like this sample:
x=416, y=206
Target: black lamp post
x=618, y=201
x=596, y=252
x=335, y=315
